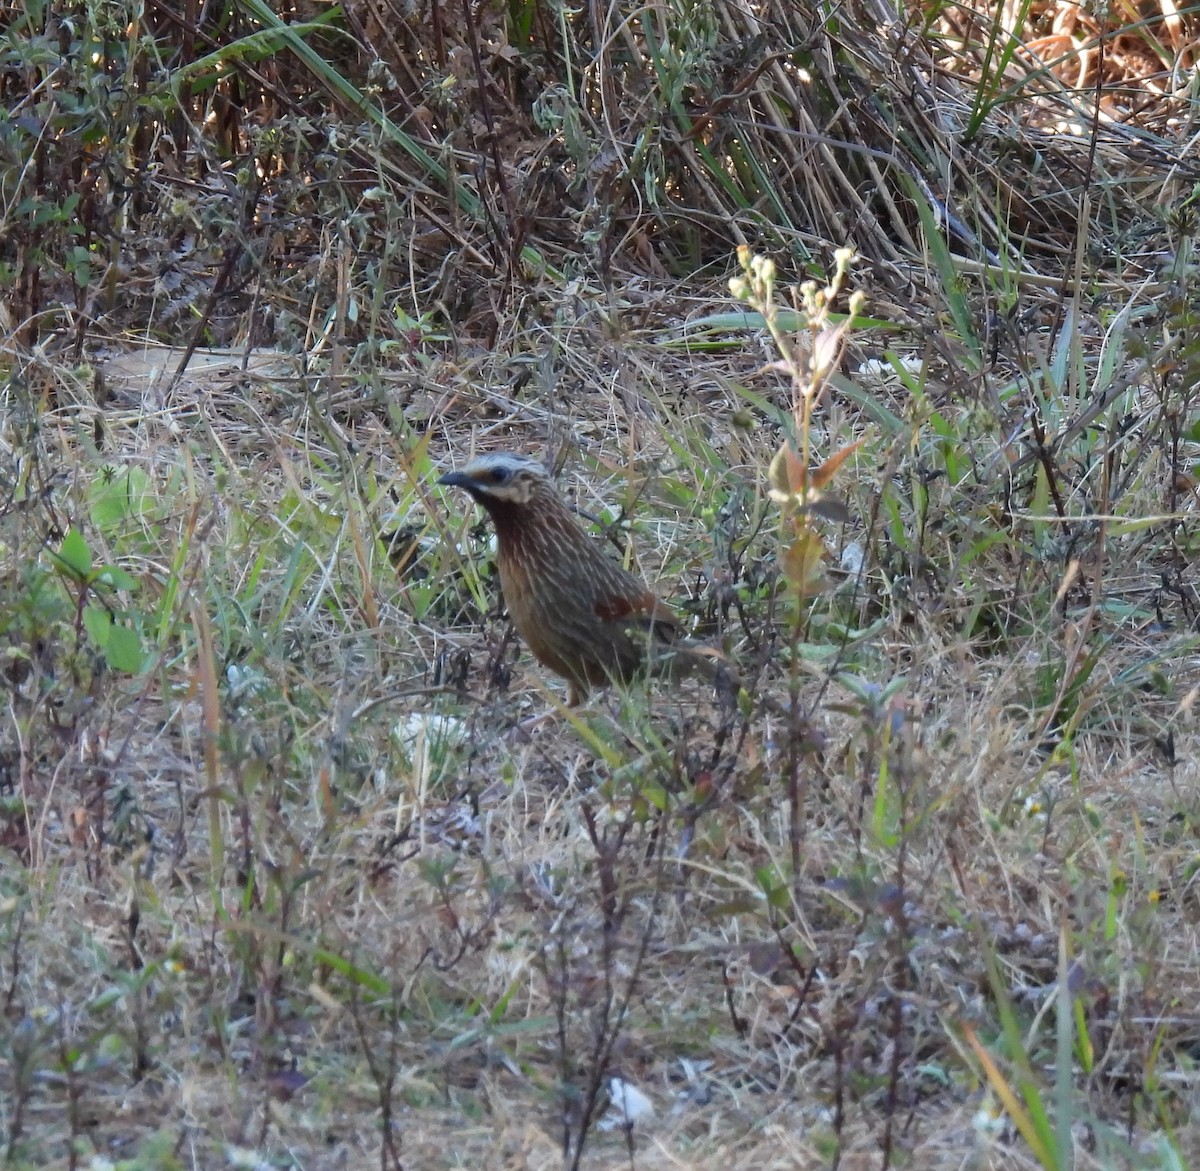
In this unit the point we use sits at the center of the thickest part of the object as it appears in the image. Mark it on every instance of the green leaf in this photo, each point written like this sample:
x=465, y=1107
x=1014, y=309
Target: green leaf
x=79, y=265
x=124, y=650
x=116, y=577
x=74, y=556
x=943, y=262
x=119, y=495
x=97, y=621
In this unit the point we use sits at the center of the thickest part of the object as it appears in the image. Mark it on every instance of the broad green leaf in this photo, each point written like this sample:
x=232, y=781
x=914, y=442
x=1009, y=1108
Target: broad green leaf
x=116, y=577
x=124, y=650
x=74, y=556
x=97, y=621
x=117, y=496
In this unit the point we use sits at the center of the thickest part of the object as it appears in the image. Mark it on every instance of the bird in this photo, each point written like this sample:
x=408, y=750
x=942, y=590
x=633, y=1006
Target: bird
x=581, y=613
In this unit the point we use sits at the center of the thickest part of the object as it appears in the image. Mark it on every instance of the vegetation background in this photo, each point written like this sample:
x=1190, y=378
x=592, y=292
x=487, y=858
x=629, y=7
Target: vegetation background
x=280, y=885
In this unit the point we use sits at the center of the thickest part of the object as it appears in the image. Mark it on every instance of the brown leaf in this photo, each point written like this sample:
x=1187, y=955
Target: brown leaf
x=786, y=475
x=802, y=563
x=821, y=476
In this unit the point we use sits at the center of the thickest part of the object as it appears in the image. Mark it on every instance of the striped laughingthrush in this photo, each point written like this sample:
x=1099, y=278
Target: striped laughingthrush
x=582, y=614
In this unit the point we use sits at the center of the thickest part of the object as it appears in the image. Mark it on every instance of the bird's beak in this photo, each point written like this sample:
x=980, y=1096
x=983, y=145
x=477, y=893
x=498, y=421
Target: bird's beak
x=456, y=480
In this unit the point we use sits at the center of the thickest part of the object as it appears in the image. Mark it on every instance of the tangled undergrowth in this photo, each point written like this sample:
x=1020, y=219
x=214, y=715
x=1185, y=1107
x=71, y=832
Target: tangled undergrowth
x=278, y=881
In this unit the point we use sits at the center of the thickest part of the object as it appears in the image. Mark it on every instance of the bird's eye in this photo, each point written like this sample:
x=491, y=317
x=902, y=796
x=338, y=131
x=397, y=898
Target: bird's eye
x=500, y=475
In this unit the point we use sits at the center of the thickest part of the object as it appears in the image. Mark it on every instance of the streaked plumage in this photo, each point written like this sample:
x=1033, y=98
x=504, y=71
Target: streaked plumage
x=582, y=614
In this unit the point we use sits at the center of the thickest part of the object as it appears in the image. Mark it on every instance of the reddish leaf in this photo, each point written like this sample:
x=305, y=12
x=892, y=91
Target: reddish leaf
x=786, y=475
x=825, y=472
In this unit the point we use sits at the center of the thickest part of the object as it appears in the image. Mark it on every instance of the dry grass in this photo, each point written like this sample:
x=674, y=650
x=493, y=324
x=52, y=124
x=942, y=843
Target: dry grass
x=277, y=883
x=420, y=914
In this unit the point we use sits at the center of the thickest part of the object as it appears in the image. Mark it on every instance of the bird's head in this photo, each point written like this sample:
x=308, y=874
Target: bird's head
x=501, y=479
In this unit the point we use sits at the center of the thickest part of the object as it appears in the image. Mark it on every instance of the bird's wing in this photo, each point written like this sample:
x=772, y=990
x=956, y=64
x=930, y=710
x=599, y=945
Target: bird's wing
x=638, y=609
